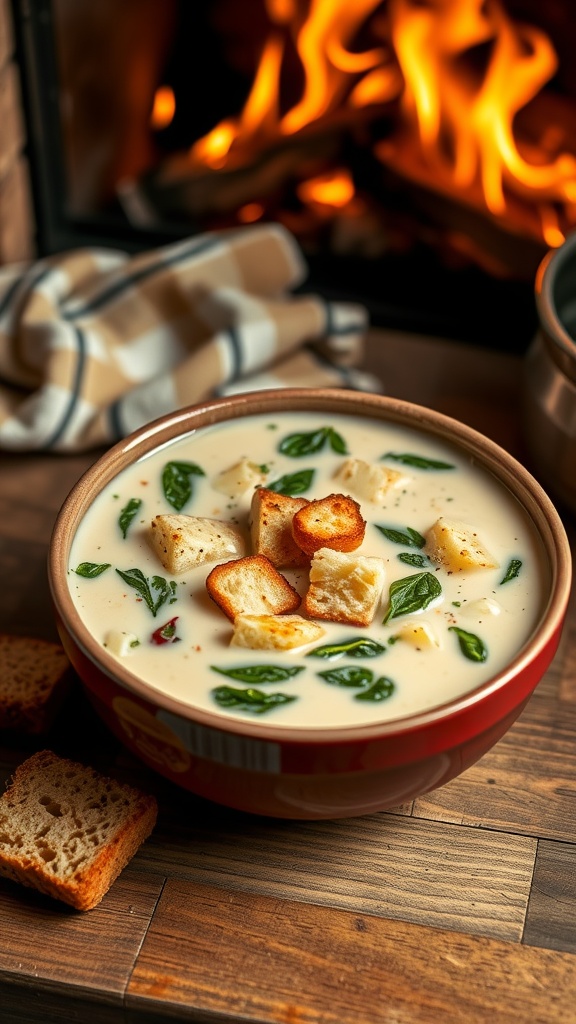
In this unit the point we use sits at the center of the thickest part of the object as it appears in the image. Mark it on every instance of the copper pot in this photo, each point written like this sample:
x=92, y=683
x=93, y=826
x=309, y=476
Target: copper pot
x=550, y=375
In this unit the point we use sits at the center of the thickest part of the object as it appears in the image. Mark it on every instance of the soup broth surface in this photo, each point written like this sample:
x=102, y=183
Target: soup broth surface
x=497, y=608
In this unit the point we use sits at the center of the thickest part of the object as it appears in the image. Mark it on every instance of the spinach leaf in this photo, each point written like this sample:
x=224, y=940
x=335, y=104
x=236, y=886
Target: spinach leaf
x=90, y=570
x=154, y=591
x=293, y=483
x=412, y=594
x=358, y=647
x=298, y=445
x=128, y=513
x=410, y=538
x=416, y=561
x=249, y=700
x=177, y=482
x=380, y=690
x=512, y=571
x=260, y=673
x=417, y=461
x=348, y=675
x=471, y=645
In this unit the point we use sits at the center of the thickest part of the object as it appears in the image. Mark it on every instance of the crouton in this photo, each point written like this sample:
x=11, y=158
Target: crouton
x=332, y=522
x=239, y=478
x=457, y=547
x=183, y=542
x=271, y=517
x=344, y=587
x=251, y=585
x=368, y=481
x=274, y=632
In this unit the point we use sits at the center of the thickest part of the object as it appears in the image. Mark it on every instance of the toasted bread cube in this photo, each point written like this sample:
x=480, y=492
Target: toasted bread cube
x=457, y=547
x=332, y=522
x=243, y=475
x=274, y=632
x=344, y=587
x=183, y=542
x=368, y=481
x=419, y=634
x=271, y=516
x=251, y=585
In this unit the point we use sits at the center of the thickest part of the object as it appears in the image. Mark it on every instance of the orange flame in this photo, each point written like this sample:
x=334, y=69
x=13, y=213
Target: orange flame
x=163, y=108
x=455, y=73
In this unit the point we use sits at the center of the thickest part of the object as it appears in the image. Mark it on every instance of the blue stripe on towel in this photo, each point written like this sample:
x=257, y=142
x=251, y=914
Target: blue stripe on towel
x=74, y=394
x=112, y=291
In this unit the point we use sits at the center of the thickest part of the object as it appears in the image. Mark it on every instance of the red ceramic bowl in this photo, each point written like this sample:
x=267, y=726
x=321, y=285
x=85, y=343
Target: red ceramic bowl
x=310, y=773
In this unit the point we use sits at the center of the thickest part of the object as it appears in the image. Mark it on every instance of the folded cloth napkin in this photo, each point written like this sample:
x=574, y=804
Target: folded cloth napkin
x=94, y=343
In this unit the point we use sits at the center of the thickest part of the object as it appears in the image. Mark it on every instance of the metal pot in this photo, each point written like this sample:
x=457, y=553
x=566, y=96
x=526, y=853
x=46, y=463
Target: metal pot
x=549, y=394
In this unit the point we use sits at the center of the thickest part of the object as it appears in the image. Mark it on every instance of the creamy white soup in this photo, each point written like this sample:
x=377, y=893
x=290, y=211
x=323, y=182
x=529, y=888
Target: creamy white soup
x=439, y=628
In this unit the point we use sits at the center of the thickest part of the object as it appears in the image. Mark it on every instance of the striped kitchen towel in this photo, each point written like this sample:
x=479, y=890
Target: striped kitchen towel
x=94, y=343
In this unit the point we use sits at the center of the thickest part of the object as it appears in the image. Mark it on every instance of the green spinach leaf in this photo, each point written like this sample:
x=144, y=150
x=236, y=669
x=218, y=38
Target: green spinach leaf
x=472, y=646
x=412, y=594
x=154, y=591
x=177, y=482
x=417, y=461
x=512, y=571
x=250, y=699
x=358, y=647
x=380, y=690
x=260, y=673
x=293, y=483
x=128, y=513
x=90, y=570
x=310, y=442
x=409, y=538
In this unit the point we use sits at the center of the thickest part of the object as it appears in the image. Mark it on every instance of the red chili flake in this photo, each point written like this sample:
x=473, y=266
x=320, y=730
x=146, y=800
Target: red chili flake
x=166, y=634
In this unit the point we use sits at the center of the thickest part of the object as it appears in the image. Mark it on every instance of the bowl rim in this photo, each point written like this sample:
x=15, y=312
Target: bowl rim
x=490, y=455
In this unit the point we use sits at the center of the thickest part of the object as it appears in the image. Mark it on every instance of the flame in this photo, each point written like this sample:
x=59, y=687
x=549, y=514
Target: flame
x=452, y=74
x=163, y=108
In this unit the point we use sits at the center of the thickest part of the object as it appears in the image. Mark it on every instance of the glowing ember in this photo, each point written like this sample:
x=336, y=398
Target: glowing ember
x=451, y=75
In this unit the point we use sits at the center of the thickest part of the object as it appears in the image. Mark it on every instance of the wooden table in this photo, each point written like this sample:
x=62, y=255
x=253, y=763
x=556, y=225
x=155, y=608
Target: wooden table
x=458, y=907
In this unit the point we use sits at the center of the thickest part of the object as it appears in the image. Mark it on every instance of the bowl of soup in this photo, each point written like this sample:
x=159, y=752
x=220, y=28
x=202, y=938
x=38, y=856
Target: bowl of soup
x=309, y=603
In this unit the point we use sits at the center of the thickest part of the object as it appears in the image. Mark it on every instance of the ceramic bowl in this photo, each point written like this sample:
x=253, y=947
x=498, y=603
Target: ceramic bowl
x=256, y=765
x=549, y=393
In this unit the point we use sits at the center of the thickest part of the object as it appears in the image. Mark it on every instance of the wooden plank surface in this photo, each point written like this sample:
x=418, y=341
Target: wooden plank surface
x=458, y=907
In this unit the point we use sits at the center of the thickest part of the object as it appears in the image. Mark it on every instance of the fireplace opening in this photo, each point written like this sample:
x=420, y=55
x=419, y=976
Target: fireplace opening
x=420, y=150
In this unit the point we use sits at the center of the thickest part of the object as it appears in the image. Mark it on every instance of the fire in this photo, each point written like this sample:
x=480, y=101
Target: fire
x=452, y=76
x=164, y=107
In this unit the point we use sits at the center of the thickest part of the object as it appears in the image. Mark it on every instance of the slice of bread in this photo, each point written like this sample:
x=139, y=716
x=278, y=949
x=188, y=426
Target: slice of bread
x=251, y=585
x=34, y=679
x=183, y=542
x=271, y=516
x=344, y=587
x=331, y=522
x=69, y=831
x=274, y=632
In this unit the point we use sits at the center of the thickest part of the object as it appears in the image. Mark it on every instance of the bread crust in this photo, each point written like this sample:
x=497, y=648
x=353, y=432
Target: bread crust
x=271, y=516
x=50, y=816
x=35, y=677
x=331, y=522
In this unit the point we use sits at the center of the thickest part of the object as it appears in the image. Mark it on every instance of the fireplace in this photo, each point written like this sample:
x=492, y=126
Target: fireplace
x=422, y=151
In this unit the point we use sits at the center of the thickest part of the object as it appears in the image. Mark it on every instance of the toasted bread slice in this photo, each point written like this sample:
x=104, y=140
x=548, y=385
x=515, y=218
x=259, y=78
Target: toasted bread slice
x=331, y=522
x=271, y=516
x=251, y=585
x=344, y=587
x=183, y=542
x=34, y=679
x=457, y=547
x=274, y=632
x=369, y=481
x=69, y=831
